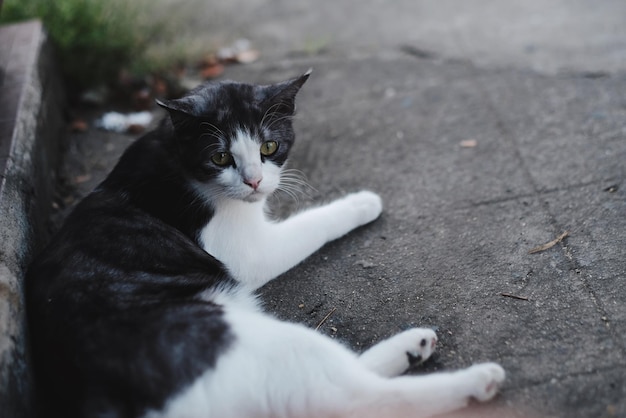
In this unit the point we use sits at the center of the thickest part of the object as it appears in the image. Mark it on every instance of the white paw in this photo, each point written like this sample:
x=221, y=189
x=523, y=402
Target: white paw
x=418, y=344
x=397, y=354
x=485, y=379
x=367, y=206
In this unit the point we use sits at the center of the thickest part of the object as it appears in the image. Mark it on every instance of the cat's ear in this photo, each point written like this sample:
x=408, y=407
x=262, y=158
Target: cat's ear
x=281, y=97
x=180, y=110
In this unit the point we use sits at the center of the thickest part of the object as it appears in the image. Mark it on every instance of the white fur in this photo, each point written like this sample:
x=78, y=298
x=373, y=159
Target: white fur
x=390, y=357
x=255, y=249
x=279, y=369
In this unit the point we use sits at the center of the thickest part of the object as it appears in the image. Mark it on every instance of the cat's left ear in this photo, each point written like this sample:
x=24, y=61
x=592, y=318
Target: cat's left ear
x=181, y=110
x=281, y=97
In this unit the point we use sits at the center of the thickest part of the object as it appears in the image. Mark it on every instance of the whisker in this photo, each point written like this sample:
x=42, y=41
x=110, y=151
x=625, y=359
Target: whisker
x=210, y=125
x=294, y=185
x=211, y=146
x=274, y=121
x=267, y=112
x=212, y=135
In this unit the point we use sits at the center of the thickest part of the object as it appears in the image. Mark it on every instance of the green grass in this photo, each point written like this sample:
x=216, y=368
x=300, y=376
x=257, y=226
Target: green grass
x=94, y=38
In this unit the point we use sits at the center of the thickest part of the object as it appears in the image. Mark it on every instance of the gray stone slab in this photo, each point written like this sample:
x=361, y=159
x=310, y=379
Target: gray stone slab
x=458, y=225
x=411, y=123
x=569, y=131
x=600, y=393
x=31, y=101
x=548, y=36
x=597, y=246
x=449, y=272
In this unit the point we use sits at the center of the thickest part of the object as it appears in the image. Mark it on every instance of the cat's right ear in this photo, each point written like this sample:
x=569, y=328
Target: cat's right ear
x=281, y=97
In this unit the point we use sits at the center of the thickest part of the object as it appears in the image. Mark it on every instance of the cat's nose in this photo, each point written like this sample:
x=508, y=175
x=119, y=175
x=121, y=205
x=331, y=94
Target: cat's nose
x=254, y=183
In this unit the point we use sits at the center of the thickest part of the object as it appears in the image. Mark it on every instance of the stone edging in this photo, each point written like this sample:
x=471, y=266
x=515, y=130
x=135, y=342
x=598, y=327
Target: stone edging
x=31, y=129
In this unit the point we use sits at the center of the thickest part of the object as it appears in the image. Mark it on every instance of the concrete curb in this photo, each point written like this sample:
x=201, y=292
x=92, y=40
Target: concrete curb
x=31, y=126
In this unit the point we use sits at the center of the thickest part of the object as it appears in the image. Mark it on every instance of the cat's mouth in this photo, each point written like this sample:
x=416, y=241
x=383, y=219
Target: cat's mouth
x=254, y=196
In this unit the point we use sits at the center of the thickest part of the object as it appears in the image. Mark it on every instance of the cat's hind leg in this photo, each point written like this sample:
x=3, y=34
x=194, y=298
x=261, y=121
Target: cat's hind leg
x=278, y=369
x=395, y=355
x=432, y=394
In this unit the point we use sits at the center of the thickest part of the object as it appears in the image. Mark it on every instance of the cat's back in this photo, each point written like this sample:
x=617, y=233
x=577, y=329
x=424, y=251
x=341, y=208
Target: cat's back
x=113, y=302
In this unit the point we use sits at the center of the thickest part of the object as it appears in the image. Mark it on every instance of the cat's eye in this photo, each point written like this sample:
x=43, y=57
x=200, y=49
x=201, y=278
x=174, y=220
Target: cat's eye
x=268, y=148
x=222, y=158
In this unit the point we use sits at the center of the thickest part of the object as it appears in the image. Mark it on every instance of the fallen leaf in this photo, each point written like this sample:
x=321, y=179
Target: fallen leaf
x=468, y=143
x=211, y=71
x=78, y=125
x=142, y=99
x=83, y=178
x=135, y=129
x=550, y=244
x=159, y=87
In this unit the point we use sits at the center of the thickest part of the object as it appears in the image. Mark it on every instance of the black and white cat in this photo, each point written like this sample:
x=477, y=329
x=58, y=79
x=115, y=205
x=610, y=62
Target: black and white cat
x=132, y=315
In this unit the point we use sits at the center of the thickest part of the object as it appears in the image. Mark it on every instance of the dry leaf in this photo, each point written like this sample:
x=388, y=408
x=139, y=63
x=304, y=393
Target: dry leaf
x=212, y=71
x=135, y=129
x=468, y=143
x=79, y=125
x=83, y=178
x=550, y=244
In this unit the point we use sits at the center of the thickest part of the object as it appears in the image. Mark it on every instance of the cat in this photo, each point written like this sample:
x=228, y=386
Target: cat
x=143, y=303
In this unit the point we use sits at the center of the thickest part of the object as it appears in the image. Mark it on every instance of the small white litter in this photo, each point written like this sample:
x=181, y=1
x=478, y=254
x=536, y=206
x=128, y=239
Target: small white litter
x=240, y=51
x=120, y=122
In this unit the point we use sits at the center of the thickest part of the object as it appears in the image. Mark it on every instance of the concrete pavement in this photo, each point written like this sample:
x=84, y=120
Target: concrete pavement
x=398, y=90
x=459, y=223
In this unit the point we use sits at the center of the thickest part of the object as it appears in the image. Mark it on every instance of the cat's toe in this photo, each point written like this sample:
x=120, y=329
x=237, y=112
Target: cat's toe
x=488, y=378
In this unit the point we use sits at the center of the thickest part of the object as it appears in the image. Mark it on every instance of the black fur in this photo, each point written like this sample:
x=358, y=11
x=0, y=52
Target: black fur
x=115, y=320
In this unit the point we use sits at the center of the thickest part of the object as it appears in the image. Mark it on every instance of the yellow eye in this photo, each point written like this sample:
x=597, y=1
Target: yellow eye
x=222, y=158
x=268, y=148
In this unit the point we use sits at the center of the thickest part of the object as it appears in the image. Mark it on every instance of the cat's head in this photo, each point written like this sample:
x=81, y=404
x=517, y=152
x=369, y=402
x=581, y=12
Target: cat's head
x=234, y=138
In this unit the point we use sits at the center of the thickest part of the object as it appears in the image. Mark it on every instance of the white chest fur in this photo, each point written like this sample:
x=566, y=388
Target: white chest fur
x=256, y=250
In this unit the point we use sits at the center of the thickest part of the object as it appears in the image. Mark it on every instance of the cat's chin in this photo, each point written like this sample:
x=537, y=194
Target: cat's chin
x=254, y=197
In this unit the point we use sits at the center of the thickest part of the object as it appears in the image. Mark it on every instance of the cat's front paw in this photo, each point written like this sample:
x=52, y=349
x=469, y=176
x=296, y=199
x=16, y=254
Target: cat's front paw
x=367, y=206
x=484, y=380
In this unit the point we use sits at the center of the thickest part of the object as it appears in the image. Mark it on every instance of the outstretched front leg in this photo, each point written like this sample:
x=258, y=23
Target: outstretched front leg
x=267, y=249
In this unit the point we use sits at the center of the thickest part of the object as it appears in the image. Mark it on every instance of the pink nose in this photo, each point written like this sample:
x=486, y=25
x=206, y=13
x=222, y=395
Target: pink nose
x=254, y=183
